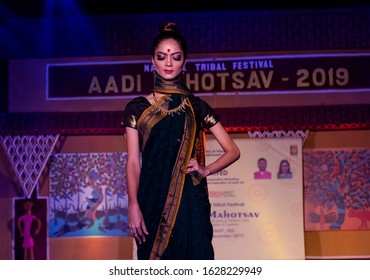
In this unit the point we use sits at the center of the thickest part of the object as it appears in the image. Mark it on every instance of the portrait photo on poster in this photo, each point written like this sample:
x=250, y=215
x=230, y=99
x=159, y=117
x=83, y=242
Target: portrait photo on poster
x=262, y=172
x=284, y=171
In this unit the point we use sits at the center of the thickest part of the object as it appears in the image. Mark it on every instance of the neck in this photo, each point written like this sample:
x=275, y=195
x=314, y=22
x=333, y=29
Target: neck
x=175, y=86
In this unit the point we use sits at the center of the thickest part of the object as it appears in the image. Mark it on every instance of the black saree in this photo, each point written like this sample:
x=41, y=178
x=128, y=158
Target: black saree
x=175, y=205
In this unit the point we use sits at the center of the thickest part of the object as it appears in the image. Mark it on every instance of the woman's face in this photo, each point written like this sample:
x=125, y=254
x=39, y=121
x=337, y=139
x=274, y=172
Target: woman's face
x=168, y=59
x=284, y=167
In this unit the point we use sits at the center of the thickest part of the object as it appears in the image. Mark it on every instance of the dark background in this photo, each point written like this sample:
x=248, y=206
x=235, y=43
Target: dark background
x=36, y=8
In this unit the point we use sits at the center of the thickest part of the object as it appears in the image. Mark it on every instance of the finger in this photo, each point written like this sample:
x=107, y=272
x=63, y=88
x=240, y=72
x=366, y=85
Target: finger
x=193, y=163
x=141, y=234
x=132, y=230
x=137, y=237
x=195, y=166
x=143, y=226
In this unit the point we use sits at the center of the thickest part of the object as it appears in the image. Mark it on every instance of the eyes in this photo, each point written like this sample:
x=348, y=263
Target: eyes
x=176, y=56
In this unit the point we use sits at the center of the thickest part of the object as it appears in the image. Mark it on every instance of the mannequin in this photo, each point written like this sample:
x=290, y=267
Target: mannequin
x=24, y=225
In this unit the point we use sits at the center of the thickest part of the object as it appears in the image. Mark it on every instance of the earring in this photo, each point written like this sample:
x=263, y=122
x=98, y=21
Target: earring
x=154, y=75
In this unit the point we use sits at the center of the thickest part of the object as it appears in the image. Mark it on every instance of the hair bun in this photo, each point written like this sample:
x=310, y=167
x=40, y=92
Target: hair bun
x=168, y=27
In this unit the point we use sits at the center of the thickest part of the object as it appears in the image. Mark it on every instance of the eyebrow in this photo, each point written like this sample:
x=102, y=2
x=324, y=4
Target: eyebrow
x=159, y=52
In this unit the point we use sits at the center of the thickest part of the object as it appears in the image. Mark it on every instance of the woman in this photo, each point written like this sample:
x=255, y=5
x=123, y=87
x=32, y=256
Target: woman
x=284, y=170
x=169, y=210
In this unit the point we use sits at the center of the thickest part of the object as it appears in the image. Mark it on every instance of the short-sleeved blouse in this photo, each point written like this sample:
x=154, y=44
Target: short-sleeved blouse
x=204, y=114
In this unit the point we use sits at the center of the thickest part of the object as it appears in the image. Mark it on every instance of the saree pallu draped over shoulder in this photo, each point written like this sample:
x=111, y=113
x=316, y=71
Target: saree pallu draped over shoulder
x=174, y=204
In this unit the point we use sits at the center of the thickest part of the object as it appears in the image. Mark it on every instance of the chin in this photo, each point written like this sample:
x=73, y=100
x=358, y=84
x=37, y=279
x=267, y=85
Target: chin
x=169, y=77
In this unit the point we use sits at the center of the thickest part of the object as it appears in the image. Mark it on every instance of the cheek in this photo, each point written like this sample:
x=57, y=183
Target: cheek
x=157, y=63
x=178, y=69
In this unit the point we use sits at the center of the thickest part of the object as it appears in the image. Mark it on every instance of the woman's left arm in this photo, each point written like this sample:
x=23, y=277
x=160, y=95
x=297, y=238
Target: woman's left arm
x=231, y=153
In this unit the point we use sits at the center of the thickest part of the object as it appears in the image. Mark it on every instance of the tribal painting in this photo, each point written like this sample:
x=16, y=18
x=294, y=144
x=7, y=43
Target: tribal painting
x=88, y=195
x=337, y=189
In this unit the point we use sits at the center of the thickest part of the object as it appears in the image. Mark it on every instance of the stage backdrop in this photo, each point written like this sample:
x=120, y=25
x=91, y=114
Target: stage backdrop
x=337, y=189
x=258, y=216
x=88, y=195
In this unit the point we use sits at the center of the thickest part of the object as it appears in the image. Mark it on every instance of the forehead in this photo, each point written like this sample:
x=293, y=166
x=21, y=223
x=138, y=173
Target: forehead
x=169, y=44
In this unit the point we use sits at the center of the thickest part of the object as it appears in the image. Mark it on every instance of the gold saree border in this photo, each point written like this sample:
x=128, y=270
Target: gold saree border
x=148, y=119
x=169, y=214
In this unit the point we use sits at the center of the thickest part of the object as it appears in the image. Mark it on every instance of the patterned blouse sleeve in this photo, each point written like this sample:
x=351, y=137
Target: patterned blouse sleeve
x=131, y=113
x=205, y=114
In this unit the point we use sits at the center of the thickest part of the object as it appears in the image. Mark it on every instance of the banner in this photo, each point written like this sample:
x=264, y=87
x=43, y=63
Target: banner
x=239, y=75
x=88, y=195
x=337, y=189
x=257, y=202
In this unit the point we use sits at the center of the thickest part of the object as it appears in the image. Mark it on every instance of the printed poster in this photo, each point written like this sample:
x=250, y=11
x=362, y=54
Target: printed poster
x=337, y=189
x=257, y=202
x=88, y=195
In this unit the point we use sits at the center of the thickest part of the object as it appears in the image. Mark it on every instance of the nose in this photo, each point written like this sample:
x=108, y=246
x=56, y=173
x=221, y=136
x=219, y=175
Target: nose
x=168, y=61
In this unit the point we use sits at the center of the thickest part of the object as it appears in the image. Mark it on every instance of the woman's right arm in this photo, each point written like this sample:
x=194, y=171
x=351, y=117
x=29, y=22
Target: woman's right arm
x=135, y=219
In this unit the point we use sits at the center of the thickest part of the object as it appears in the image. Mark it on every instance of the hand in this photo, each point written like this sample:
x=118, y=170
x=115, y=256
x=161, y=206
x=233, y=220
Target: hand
x=194, y=166
x=136, y=223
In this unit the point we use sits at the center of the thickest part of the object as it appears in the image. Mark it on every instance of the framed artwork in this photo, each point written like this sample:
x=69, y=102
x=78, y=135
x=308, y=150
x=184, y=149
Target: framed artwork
x=337, y=189
x=88, y=195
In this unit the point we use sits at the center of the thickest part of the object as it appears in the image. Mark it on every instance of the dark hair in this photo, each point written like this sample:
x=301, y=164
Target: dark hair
x=260, y=159
x=169, y=31
x=281, y=163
